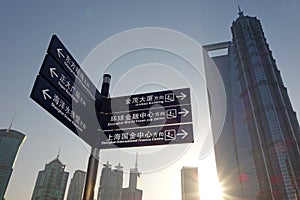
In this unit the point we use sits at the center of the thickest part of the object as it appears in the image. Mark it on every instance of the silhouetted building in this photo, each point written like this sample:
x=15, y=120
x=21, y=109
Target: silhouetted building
x=272, y=123
x=233, y=156
x=261, y=131
x=76, y=185
x=111, y=182
x=51, y=182
x=189, y=183
x=132, y=192
x=10, y=141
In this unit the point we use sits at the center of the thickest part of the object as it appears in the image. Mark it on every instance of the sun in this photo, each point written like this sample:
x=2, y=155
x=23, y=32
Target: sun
x=209, y=186
x=211, y=190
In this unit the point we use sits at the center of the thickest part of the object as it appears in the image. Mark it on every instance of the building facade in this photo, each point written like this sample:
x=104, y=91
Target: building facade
x=189, y=183
x=234, y=161
x=77, y=185
x=272, y=123
x=51, y=182
x=257, y=154
x=10, y=141
x=111, y=182
x=132, y=192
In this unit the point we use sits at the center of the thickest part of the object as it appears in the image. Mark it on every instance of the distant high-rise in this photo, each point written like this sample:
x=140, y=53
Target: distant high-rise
x=132, y=192
x=189, y=183
x=77, y=185
x=10, y=141
x=51, y=182
x=111, y=182
x=258, y=152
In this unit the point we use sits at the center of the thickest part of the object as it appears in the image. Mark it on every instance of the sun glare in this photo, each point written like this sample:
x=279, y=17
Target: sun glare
x=209, y=186
x=211, y=190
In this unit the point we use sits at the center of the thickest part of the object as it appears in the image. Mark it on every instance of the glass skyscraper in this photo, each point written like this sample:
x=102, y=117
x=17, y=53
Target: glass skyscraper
x=111, y=183
x=260, y=137
x=132, y=192
x=10, y=141
x=272, y=123
x=233, y=156
x=51, y=182
x=76, y=185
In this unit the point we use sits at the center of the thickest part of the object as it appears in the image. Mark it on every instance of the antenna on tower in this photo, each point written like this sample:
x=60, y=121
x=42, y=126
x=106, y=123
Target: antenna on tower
x=241, y=13
x=58, y=153
x=11, y=123
x=136, y=159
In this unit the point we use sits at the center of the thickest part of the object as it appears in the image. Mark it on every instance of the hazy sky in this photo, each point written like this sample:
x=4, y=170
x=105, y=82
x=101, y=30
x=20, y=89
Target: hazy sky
x=26, y=29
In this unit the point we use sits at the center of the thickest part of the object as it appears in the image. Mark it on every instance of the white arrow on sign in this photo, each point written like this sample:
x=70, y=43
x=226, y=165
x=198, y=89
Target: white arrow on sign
x=183, y=134
x=45, y=94
x=182, y=96
x=52, y=72
x=59, y=53
x=184, y=112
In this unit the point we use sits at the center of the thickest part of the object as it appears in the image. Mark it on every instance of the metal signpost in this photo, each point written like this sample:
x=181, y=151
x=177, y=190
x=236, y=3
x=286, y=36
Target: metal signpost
x=65, y=91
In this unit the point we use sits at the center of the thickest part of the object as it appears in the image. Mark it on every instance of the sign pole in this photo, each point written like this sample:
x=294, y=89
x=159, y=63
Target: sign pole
x=94, y=158
x=91, y=174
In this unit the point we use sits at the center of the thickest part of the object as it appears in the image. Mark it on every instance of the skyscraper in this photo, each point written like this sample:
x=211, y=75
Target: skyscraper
x=51, y=182
x=111, y=182
x=234, y=161
x=77, y=185
x=10, y=141
x=259, y=99
x=272, y=123
x=132, y=192
x=189, y=183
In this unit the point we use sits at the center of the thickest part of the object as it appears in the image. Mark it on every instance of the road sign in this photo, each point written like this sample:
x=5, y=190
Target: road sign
x=59, y=52
x=148, y=136
x=156, y=108
x=65, y=91
x=85, y=126
x=56, y=104
x=79, y=120
x=147, y=119
x=65, y=83
x=156, y=116
x=147, y=100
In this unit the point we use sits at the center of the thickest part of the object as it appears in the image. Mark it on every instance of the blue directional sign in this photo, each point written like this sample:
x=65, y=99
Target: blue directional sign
x=147, y=100
x=74, y=117
x=148, y=136
x=65, y=91
x=59, y=52
x=65, y=83
x=155, y=118
x=85, y=126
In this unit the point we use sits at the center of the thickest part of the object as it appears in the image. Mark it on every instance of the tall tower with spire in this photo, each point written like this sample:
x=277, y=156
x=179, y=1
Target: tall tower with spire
x=134, y=174
x=260, y=141
x=10, y=142
x=272, y=123
x=51, y=182
x=132, y=192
